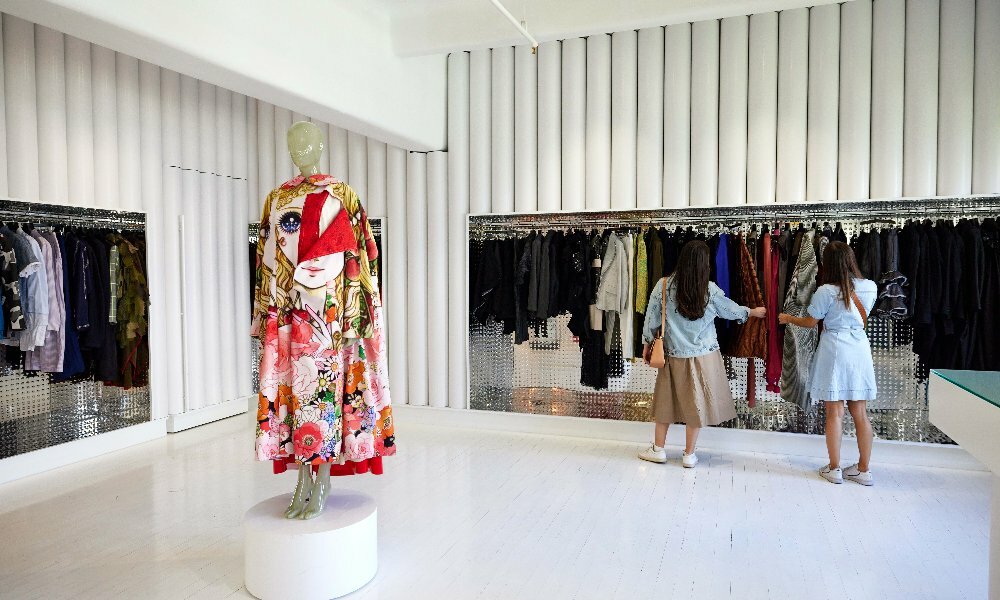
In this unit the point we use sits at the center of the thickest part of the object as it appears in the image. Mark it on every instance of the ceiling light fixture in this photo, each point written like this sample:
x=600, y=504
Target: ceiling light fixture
x=519, y=24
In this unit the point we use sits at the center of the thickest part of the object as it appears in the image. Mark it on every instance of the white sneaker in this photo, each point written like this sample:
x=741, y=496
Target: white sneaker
x=832, y=475
x=856, y=475
x=652, y=454
x=689, y=460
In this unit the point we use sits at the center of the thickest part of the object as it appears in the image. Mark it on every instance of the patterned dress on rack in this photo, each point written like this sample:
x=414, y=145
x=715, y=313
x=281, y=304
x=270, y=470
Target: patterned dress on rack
x=324, y=396
x=800, y=342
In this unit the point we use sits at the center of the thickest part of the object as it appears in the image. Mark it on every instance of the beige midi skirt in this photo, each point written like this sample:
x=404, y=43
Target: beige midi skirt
x=694, y=391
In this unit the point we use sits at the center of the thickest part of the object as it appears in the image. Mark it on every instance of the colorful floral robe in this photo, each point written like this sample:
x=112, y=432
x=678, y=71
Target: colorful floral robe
x=324, y=395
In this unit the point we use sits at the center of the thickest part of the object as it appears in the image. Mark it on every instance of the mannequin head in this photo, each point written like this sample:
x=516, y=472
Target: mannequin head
x=305, y=145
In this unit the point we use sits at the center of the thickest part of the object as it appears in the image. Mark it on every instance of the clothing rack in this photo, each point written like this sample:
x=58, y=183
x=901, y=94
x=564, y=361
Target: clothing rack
x=50, y=215
x=493, y=225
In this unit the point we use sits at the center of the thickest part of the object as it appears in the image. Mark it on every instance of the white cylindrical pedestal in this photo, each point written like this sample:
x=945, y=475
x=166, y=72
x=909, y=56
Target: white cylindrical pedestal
x=306, y=560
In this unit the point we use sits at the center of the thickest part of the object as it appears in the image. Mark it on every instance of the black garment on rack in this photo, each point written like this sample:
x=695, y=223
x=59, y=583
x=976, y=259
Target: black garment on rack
x=578, y=285
x=986, y=342
x=521, y=288
x=555, y=254
x=503, y=297
x=488, y=274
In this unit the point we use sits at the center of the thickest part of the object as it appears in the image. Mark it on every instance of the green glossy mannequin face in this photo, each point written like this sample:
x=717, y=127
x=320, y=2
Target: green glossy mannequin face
x=305, y=145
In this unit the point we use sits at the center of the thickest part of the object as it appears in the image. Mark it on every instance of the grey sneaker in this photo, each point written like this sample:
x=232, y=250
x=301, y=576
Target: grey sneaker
x=653, y=455
x=853, y=473
x=832, y=475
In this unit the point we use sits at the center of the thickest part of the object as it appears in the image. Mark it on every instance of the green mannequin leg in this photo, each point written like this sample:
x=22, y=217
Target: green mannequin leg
x=302, y=489
x=321, y=487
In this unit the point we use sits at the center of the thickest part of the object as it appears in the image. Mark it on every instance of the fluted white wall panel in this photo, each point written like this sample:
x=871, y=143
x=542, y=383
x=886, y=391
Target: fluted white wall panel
x=297, y=116
x=854, y=145
x=225, y=248
x=394, y=236
x=416, y=279
x=574, y=124
x=127, y=83
x=888, y=44
x=624, y=116
x=649, y=119
x=824, y=82
x=241, y=144
x=920, y=117
x=324, y=159
x=502, y=125
x=254, y=193
x=986, y=117
x=762, y=108
x=266, y=177
x=375, y=201
x=549, y=127
x=436, y=250
x=793, y=93
x=191, y=260
x=105, y=127
x=50, y=80
x=178, y=356
x=339, y=155
x=205, y=217
x=525, y=130
x=734, y=56
x=955, y=97
x=704, y=113
x=79, y=122
x=357, y=174
x=480, y=130
x=283, y=167
x=598, y=172
x=3, y=122
x=677, y=115
x=163, y=366
x=21, y=107
x=458, y=209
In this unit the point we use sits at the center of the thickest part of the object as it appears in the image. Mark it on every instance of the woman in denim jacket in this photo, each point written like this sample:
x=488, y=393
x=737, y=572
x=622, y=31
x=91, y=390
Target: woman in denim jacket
x=692, y=388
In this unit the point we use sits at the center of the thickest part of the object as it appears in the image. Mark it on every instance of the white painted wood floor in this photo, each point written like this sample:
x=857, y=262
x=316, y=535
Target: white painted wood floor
x=492, y=515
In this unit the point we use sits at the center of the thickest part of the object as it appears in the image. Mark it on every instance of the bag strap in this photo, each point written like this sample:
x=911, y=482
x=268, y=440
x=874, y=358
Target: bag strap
x=663, y=309
x=860, y=307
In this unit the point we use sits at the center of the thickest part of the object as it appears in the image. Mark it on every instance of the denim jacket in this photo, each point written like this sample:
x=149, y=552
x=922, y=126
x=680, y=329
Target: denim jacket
x=685, y=338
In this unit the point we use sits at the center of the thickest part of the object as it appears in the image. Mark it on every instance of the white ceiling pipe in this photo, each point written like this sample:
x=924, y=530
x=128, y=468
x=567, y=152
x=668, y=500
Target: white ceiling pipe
x=506, y=13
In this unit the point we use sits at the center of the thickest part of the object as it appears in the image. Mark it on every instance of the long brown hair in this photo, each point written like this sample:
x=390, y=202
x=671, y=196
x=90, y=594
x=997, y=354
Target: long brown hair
x=840, y=268
x=691, y=279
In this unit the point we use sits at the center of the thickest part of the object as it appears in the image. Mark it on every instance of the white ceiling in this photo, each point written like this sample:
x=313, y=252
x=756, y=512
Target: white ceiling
x=435, y=26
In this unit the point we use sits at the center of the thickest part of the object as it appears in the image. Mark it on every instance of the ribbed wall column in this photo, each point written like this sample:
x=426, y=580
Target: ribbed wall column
x=394, y=245
x=502, y=123
x=21, y=107
x=436, y=251
x=624, y=117
x=226, y=254
x=824, y=82
x=376, y=179
x=549, y=127
x=283, y=167
x=888, y=44
x=677, y=115
x=793, y=93
x=170, y=103
x=955, y=97
x=127, y=82
x=254, y=194
x=324, y=159
x=241, y=144
x=267, y=180
x=854, y=144
x=3, y=123
x=920, y=118
x=649, y=119
x=986, y=131
x=704, y=113
x=297, y=116
x=357, y=174
x=598, y=174
x=416, y=279
x=734, y=56
x=574, y=124
x=458, y=209
x=197, y=371
x=161, y=364
x=79, y=122
x=206, y=218
x=525, y=130
x=762, y=108
x=480, y=131
x=339, y=155
x=51, y=93
x=105, y=128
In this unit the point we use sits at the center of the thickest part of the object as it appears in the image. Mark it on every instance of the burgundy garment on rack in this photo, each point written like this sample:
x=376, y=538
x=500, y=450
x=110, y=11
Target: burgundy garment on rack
x=751, y=337
x=775, y=341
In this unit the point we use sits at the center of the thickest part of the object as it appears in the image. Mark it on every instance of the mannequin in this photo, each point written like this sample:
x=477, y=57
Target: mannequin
x=305, y=145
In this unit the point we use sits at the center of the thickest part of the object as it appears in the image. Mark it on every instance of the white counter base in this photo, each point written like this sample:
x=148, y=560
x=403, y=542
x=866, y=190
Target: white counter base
x=327, y=557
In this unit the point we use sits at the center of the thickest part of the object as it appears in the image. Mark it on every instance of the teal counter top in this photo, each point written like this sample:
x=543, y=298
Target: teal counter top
x=985, y=384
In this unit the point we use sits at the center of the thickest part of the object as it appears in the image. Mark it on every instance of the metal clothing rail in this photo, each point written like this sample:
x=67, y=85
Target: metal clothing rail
x=75, y=216
x=896, y=210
